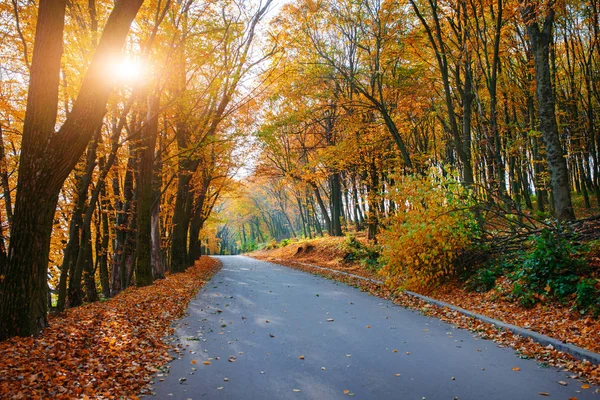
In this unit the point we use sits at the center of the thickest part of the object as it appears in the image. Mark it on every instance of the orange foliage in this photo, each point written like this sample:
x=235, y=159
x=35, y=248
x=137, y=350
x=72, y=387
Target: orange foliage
x=431, y=228
x=110, y=349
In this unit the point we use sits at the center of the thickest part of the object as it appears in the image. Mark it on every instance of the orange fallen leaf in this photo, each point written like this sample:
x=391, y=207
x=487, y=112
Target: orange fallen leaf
x=193, y=361
x=206, y=363
x=585, y=386
x=301, y=357
x=544, y=394
x=346, y=391
x=516, y=369
x=368, y=326
x=395, y=351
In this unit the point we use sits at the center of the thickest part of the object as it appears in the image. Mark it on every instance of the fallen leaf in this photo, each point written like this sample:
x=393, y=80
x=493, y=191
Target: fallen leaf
x=271, y=335
x=544, y=394
x=346, y=391
x=301, y=357
x=329, y=319
x=220, y=388
x=193, y=361
x=395, y=351
x=368, y=326
x=563, y=383
x=396, y=374
x=408, y=353
x=226, y=379
x=585, y=386
x=516, y=369
x=206, y=363
x=297, y=390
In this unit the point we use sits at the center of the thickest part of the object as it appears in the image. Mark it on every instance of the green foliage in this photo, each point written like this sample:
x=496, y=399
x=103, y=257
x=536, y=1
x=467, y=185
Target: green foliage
x=432, y=228
x=483, y=280
x=551, y=269
x=588, y=296
x=285, y=242
x=367, y=256
x=249, y=246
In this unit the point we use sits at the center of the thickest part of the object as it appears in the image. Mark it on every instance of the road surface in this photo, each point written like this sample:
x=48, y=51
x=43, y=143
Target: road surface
x=258, y=330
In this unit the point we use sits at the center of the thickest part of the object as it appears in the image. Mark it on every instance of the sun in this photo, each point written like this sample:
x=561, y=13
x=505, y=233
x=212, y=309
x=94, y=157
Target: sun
x=129, y=71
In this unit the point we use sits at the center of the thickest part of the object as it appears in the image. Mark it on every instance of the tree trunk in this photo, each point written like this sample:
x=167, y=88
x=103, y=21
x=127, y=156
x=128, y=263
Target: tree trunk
x=540, y=40
x=143, y=266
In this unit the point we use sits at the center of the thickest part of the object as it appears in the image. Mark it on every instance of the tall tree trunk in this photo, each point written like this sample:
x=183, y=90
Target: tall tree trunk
x=540, y=40
x=144, y=208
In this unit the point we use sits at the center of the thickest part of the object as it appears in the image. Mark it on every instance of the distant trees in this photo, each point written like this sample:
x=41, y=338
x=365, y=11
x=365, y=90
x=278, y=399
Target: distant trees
x=499, y=94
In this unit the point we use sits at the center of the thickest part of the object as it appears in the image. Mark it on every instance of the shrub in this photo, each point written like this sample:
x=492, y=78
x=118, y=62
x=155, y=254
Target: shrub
x=588, y=295
x=367, y=256
x=483, y=280
x=249, y=246
x=432, y=226
x=285, y=242
x=552, y=269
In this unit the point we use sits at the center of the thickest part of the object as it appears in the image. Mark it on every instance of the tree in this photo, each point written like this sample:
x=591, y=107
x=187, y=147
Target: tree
x=541, y=38
x=48, y=157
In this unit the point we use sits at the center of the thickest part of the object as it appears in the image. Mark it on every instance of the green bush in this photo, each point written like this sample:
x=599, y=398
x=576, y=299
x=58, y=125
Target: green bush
x=552, y=269
x=588, y=296
x=366, y=256
x=249, y=246
x=483, y=280
x=285, y=242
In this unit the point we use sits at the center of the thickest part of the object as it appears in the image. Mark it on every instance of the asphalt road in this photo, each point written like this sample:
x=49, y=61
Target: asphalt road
x=262, y=331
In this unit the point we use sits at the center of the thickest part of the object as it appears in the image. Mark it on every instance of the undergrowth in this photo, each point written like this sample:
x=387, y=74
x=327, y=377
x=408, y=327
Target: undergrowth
x=552, y=268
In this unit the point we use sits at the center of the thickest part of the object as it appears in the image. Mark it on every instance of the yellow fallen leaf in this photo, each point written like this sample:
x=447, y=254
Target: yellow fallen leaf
x=516, y=369
x=396, y=374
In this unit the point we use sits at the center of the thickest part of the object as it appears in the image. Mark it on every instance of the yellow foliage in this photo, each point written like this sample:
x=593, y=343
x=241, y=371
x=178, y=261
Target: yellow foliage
x=432, y=226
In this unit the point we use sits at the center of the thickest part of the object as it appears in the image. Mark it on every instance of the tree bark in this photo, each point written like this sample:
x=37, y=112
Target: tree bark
x=540, y=40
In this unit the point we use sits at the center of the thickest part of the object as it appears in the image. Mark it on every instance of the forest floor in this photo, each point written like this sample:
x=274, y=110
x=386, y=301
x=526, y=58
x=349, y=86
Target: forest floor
x=555, y=320
x=108, y=349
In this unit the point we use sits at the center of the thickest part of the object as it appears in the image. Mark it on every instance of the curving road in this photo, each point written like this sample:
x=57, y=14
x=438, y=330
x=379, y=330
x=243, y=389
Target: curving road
x=262, y=331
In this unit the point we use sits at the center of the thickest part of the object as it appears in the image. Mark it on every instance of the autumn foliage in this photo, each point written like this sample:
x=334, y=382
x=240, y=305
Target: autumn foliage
x=110, y=349
x=433, y=225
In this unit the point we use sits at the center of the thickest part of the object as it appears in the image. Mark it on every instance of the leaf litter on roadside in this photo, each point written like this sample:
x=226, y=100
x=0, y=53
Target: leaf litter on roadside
x=109, y=349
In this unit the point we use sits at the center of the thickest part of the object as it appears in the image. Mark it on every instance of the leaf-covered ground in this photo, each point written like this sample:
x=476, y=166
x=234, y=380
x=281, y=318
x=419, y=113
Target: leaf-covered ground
x=554, y=320
x=109, y=349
